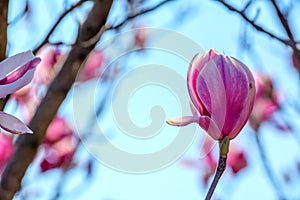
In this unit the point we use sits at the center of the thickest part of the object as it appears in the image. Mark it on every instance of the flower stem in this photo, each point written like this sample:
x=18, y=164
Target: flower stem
x=220, y=169
x=224, y=148
x=267, y=167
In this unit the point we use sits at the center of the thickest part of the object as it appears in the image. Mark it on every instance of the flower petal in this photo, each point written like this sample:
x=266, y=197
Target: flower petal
x=14, y=86
x=210, y=127
x=14, y=62
x=212, y=93
x=16, y=72
x=12, y=124
x=182, y=121
x=196, y=65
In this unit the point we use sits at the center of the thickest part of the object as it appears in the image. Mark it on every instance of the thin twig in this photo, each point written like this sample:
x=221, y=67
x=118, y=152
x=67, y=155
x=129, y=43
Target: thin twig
x=283, y=21
x=62, y=16
x=95, y=38
x=286, y=26
x=20, y=15
x=267, y=167
x=253, y=24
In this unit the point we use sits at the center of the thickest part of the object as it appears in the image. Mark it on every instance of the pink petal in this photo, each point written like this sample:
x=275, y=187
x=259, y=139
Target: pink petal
x=194, y=110
x=212, y=93
x=247, y=105
x=14, y=86
x=14, y=62
x=210, y=127
x=182, y=121
x=16, y=72
x=197, y=64
x=12, y=124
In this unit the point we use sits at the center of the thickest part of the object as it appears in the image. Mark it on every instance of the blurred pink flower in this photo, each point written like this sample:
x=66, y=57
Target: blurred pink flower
x=222, y=91
x=29, y=97
x=46, y=71
x=266, y=102
x=57, y=130
x=16, y=72
x=6, y=150
x=92, y=68
x=236, y=162
x=140, y=37
x=59, y=145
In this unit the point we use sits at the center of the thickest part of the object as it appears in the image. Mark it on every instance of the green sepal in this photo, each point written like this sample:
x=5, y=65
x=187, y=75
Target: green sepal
x=224, y=146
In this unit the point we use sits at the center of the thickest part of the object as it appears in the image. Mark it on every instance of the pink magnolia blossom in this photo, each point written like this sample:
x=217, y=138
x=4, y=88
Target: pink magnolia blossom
x=59, y=145
x=47, y=68
x=237, y=160
x=92, y=66
x=140, y=36
x=222, y=92
x=16, y=72
x=266, y=102
x=30, y=96
x=6, y=150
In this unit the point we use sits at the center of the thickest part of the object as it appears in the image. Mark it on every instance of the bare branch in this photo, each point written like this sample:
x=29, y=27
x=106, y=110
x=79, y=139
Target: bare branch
x=62, y=16
x=96, y=38
x=253, y=24
x=3, y=28
x=283, y=21
x=20, y=15
x=3, y=36
x=27, y=144
x=286, y=26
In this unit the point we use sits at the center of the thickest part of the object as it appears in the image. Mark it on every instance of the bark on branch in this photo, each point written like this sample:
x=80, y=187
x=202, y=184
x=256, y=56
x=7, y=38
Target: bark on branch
x=3, y=28
x=27, y=144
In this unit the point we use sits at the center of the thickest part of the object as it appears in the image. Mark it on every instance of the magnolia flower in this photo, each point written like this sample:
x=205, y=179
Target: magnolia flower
x=16, y=72
x=222, y=92
x=237, y=160
x=266, y=102
x=92, y=68
x=6, y=150
x=60, y=145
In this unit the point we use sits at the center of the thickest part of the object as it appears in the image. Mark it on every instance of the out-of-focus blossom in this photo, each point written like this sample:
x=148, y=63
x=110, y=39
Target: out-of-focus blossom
x=140, y=37
x=92, y=68
x=266, y=102
x=46, y=71
x=6, y=150
x=237, y=161
x=222, y=90
x=57, y=130
x=59, y=145
x=29, y=97
x=16, y=72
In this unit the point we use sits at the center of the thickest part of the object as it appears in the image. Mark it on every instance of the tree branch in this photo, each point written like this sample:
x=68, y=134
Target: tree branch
x=286, y=26
x=130, y=17
x=62, y=16
x=253, y=24
x=26, y=145
x=3, y=36
x=283, y=21
x=290, y=42
x=267, y=167
x=3, y=28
